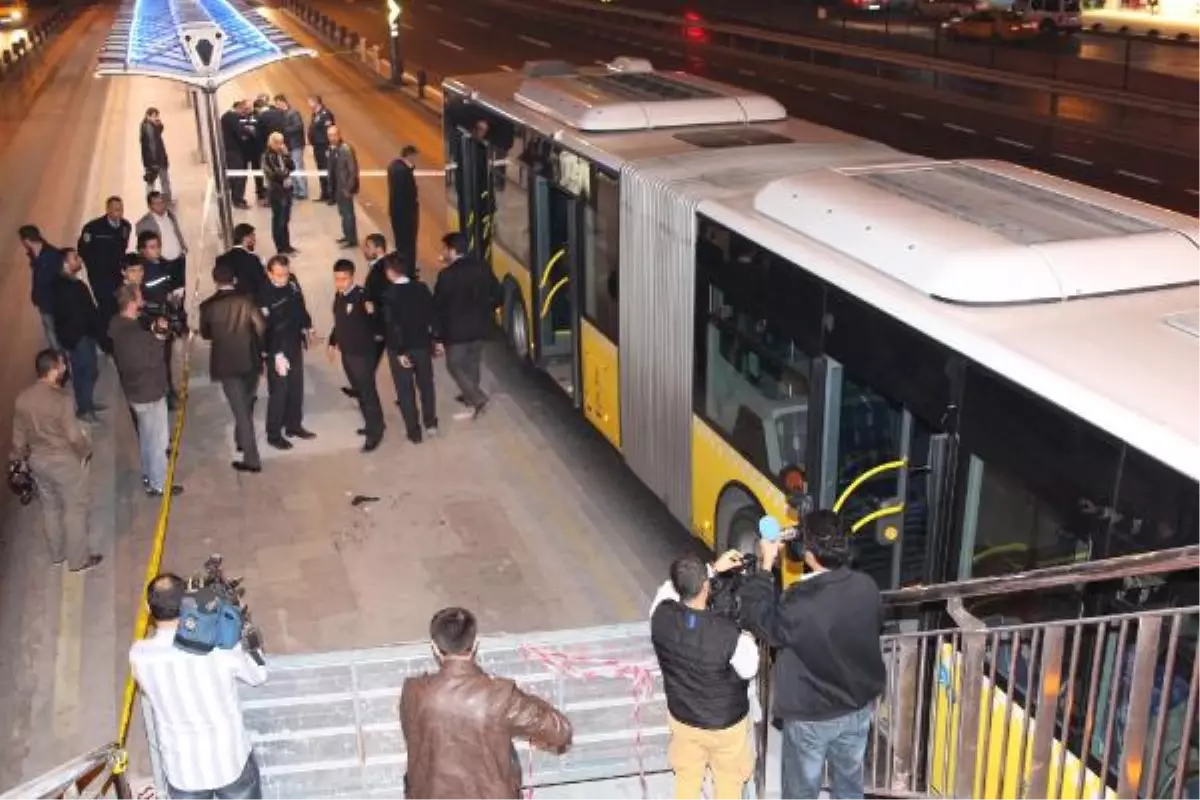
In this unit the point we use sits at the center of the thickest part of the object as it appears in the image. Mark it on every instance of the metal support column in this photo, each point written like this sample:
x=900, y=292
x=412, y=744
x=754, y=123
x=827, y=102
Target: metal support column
x=220, y=179
x=395, y=56
x=196, y=106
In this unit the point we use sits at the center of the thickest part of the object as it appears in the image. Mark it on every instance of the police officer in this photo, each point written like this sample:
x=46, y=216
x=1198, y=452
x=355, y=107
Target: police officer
x=102, y=246
x=233, y=142
x=318, y=137
x=404, y=207
x=255, y=146
x=289, y=330
x=353, y=337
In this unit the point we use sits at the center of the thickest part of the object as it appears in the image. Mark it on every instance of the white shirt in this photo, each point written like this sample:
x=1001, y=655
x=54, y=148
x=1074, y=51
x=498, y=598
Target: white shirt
x=745, y=656
x=194, y=699
x=172, y=248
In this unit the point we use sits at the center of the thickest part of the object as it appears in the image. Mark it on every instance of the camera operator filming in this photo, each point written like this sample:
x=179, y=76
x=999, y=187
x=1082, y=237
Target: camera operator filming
x=707, y=663
x=193, y=696
x=829, y=668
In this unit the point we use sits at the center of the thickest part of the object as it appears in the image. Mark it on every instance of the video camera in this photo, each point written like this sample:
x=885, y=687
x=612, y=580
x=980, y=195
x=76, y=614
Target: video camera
x=169, y=310
x=724, y=587
x=214, y=614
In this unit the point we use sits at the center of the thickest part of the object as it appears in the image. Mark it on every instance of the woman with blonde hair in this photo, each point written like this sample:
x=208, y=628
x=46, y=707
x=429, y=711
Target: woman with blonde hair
x=277, y=169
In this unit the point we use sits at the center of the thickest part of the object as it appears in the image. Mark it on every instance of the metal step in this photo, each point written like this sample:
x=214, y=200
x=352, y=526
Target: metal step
x=327, y=725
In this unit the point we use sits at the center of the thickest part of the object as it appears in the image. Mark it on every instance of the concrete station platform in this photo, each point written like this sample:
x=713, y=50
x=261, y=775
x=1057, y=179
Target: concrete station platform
x=526, y=516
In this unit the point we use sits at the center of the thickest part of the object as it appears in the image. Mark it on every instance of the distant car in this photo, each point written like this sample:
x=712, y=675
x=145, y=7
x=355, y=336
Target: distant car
x=12, y=14
x=1052, y=16
x=995, y=25
x=946, y=9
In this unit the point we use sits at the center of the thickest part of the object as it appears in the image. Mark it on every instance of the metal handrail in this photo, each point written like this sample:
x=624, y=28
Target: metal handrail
x=1159, y=562
x=78, y=773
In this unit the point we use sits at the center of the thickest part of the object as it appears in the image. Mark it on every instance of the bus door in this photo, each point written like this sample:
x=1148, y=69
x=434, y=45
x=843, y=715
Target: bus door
x=883, y=470
x=556, y=231
x=475, y=191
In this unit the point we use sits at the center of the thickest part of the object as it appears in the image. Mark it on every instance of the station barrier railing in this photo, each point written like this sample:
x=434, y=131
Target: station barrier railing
x=1146, y=115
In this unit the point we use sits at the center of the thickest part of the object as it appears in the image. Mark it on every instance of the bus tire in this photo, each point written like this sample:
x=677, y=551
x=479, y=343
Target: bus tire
x=738, y=513
x=516, y=322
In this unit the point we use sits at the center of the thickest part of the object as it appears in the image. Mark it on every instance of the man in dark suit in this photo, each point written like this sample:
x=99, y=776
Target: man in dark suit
x=248, y=272
x=353, y=336
x=404, y=207
x=234, y=141
x=77, y=325
x=232, y=322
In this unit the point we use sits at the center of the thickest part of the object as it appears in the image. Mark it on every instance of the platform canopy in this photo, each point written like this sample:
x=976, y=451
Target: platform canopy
x=202, y=43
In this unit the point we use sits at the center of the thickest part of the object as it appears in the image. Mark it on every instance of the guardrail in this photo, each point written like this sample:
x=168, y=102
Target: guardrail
x=1131, y=117
x=415, y=80
x=15, y=59
x=92, y=774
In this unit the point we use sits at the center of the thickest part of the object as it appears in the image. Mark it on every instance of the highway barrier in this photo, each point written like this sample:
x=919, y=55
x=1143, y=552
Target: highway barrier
x=14, y=60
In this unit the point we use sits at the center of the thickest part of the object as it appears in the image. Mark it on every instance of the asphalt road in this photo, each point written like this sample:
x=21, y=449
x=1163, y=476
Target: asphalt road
x=1142, y=53
x=476, y=36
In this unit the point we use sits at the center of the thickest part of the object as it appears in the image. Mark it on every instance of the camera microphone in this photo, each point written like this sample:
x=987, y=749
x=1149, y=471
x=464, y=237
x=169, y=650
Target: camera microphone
x=770, y=530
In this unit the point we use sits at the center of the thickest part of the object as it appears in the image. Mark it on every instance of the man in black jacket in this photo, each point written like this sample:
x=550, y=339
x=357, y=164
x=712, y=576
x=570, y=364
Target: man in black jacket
x=234, y=134
x=138, y=353
x=289, y=329
x=829, y=670
x=154, y=154
x=404, y=207
x=235, y=326
x=256, y=145
x=77, y=325
x=103, y=244
x=293, y=134
x=706, y=663
x=248, y=273
x=318, y=137
x=353, y=336
x=465, y=300
x=410, y=323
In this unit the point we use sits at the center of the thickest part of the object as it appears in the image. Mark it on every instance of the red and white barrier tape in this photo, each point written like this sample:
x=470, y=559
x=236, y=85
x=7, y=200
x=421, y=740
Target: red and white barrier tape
x=586, y=668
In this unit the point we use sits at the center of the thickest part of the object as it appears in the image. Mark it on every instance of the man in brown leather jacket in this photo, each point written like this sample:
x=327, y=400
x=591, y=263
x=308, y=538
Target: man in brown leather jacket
x=459, y=722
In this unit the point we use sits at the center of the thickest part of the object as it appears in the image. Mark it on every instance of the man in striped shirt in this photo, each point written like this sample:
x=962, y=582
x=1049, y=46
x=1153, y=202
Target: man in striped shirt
x=202, y=740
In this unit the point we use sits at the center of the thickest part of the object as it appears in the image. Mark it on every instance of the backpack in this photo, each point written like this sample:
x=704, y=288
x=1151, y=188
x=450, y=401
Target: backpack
x=207, y=621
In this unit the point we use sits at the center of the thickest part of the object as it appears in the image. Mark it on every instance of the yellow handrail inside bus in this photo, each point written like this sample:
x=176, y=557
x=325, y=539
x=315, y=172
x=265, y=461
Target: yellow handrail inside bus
x=876, y=514
x=550, y=296
x=550, y=267
x=121, y=761
x=866, y=476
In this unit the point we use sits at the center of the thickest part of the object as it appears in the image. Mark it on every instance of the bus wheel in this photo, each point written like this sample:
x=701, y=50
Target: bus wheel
x=743, y=530
x=517, y=325
x=738, y=513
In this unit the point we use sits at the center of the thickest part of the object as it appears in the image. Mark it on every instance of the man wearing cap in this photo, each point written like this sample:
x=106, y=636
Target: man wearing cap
x=829, y=669
x=404, y=207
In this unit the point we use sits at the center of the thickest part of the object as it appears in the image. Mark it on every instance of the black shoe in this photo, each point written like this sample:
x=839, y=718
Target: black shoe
x=98, y=407
x=415, y=438
x=349, y=244
x=242, y=204
x=289, y=251
x=461, y=400
x=175, y=491
x=279, y=443
x=346, y=390
x=242, y=466
x=479, y=409
x=342, y=241
x=300, y=433
x=331, y=202
x=371, y=443
x=93, y=560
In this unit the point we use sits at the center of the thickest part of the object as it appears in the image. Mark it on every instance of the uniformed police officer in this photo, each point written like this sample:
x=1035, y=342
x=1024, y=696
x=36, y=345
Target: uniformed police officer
x=102, y=246
x=289, y=331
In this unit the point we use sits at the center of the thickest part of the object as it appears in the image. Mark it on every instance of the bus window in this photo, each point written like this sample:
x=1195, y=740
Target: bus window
x=511, y=183
x=603, y=242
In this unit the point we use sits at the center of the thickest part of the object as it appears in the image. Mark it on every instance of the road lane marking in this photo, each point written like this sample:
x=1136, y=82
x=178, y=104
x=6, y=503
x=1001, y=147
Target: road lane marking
x=845, y=98
x=804, y=88
x=675, y=53
x=505, y=67
x=1192, y=192
x=478, y=23
x=750, y=72
x=1014, y=143
x=600, y=63
x=1137, y=176
x=912, y=115
x=878, y=106
x=433, y=6
x=534, y=41
x=1075, y=159
x=960, y=128
x=407, y=26
x=451, y=45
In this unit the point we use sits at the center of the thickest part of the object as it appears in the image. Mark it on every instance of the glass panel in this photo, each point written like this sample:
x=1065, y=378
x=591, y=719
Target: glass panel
x=603, y=255
x=511, y=183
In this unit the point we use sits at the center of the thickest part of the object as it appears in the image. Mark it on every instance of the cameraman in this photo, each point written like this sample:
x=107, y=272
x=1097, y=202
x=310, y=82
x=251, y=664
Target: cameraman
x=829, y=668
x=138, y=354
x=706, y=663
x=194, y=698
x=162, y=298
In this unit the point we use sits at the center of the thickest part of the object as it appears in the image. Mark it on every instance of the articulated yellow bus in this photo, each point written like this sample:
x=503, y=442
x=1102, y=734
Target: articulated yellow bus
x=995, y=369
